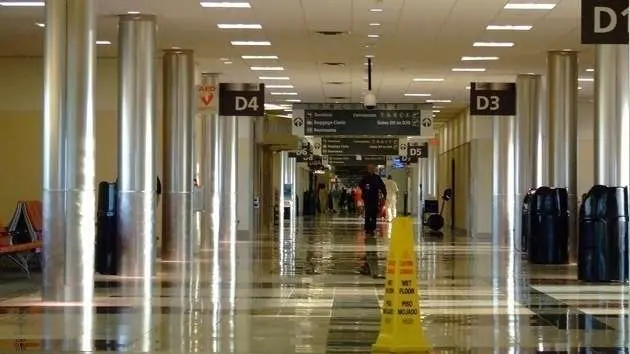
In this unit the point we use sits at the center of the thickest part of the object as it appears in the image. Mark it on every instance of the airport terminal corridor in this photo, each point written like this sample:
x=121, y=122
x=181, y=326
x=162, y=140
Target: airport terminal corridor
x=301, y=291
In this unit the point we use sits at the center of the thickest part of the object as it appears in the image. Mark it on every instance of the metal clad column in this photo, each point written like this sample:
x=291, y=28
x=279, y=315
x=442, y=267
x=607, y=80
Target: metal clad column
x=611, y=115
x=431, y=190
x=179, y=81
x=527, y=115
x=210, y=167
x=502, y=179
x=229, y=136
x=136, y=144
x=562, y=74
x=289, y=166
x=68, y=184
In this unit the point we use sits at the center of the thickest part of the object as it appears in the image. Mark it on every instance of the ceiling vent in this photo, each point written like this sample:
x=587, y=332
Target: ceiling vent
x=335, y=83
x=338, y=98
x=329, y=63
x=330, y=33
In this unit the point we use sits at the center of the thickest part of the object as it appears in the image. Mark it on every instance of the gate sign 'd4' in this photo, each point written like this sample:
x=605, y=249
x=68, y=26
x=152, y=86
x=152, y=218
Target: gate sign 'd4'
x=493, y=98
x=241, y=100
x=604, y=21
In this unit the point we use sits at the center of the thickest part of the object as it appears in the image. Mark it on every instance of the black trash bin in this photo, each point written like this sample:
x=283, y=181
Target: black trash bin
x=549, y=239
x=603, y=235
x=106, y=253
x=526, y=219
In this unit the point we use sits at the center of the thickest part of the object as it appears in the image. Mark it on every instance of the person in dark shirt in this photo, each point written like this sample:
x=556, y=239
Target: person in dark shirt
x=372, y=187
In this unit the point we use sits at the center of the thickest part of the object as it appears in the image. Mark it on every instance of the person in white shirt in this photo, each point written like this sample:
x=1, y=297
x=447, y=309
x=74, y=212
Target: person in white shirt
x=392, y=193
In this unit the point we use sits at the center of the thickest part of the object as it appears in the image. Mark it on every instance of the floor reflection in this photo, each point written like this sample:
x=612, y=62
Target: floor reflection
x=316, y=287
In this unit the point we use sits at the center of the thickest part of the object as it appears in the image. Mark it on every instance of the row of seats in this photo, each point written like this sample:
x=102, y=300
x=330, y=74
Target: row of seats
x=21, y=238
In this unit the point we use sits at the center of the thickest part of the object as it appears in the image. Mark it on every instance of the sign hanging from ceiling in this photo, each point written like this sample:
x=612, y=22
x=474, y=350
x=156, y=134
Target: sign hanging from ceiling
x=360, y=146
x=604, y=22
x=357, y=122
x=493, y=98
x=416, y=152
x=241, y=99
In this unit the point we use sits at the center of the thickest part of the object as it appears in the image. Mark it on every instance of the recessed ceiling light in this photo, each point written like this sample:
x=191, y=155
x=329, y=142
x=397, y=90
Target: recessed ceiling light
x=423, y=79
x=376, y=10
x=238, y=26
x=23, y=4
x=133, y=12
x=266, y=68
x=375, y=24
x=468, y=69
x=508, y=27
x=227, y=62
x=529, y=6
x=253, y=43
x=436, y=111
x=176, y=47
x=279, y=86
x=369, y=56
x=418, y=94
x=224, y=4
x=40, y=24
x=373, y=35
x=586, y=79
x=292, y=100
x=254, y=57
x=224, y=59
x=590, y=70
x=274, y=78
x=439, y=101
x=103, y=42
x=284, y=93
x=493, y=44
x=479, y=58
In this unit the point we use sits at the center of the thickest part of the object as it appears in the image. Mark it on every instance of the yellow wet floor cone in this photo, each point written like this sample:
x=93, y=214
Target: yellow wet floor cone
x=401, y=326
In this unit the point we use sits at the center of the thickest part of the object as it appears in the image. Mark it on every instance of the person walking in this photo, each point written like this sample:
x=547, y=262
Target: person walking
x=372, y=186
x=392, y=198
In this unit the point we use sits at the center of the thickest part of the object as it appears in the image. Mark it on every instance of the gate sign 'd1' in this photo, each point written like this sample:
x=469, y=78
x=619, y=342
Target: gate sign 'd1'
x=604, y=21
x=243, y=100
x=493, y=98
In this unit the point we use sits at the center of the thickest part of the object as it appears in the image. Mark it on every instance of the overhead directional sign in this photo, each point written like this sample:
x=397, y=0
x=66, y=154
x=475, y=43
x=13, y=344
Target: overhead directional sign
x=304, y=156
x=416, y=152
x=604, y=21
x=493, y=98
x=356, y=160
x=360, y=122
x=359, y=146
x=243, y=100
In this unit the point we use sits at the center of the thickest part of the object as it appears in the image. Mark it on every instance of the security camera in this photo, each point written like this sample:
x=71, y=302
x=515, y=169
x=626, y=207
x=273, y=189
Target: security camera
x=369, y=101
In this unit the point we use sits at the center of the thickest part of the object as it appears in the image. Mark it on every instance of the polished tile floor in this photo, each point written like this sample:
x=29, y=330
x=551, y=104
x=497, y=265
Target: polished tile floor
x=303, y=291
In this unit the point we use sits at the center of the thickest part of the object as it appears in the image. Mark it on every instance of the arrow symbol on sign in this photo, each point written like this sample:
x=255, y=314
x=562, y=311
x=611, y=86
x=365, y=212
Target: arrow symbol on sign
x=427, y=122
x=207, y=99
x=298, y=122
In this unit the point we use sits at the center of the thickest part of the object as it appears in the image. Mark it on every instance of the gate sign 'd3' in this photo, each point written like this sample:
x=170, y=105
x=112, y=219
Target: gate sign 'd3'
x=493, y=98
x=241, y=100
x=604, y=21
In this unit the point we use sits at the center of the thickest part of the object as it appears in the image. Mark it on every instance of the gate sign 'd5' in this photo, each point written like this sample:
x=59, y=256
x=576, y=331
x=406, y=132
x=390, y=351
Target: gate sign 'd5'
x=604, y=21
x=241, y=100
x=493, y=98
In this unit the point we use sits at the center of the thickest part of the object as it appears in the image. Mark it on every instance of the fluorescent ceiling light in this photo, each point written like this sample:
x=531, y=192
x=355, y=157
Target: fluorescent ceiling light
x=103, y=42
x=439, y=101
x=274, y=78
x=238, y=26
x=283, y=93
x=508, y=27
x=468, y=69
x=590, y=70
x=422, y=79
x=227, y=62
x=23, y=4
x=279, y=86
x=375, y=24
x=493, y=44
x=271, y=106
x=479, y=58
x=224, y=4
x=267, y=68
x=418, y=94
x=292, y=100
x=376, y=10
x=40, y=24
x=467, y=87
x=373, y=35
x=133, y=12
x=436, y=111
x=586, y=79
x=259, y=56
x=579, y=87
x=258, y=43
x=529, y=6
x=369, y=56
x=224, y=59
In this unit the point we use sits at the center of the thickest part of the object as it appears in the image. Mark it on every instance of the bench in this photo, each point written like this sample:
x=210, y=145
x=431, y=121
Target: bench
x=20, y=250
